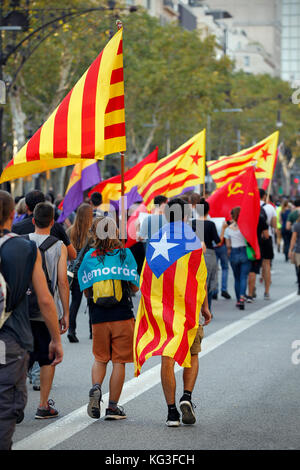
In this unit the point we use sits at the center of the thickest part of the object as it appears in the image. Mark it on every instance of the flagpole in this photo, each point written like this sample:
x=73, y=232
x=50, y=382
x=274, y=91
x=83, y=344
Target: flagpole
x=123, y=218
x=204, y=158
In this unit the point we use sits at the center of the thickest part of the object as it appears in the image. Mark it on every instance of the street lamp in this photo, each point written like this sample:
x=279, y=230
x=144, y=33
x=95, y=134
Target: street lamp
x=279, y=123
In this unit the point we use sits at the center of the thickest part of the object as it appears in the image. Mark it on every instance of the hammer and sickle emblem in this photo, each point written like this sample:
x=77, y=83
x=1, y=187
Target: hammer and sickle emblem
x=232, y=191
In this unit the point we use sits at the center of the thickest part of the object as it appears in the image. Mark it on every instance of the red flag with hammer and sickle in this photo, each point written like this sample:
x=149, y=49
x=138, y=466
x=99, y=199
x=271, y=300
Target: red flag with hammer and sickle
x=242, y=191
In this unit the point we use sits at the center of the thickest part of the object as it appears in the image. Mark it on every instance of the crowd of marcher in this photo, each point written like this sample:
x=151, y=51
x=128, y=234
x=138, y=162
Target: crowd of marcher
x=45, y=264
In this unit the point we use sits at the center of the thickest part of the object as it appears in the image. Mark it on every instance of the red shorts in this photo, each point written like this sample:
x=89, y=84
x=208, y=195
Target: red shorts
x=113, y=341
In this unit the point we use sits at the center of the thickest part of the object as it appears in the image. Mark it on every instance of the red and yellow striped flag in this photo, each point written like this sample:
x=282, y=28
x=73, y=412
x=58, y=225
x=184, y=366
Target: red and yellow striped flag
x=181, y=169
x=89, y=122
x=172, y=284
x=226, y=168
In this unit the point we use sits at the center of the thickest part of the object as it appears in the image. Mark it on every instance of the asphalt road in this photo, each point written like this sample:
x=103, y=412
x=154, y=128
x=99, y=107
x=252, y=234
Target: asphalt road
x=247, y=391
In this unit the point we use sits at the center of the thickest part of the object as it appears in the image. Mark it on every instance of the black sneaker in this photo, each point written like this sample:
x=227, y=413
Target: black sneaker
x=117, y=413
x=20, y=417
x=46, y=413
x=73, y=338
x=187, y=410
x=249, y=299
x=225, y=295
x=173, y=419
x=95, y=396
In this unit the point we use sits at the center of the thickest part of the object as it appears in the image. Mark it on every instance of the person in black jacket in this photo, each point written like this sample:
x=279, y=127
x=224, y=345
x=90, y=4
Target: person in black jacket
x=26, y=226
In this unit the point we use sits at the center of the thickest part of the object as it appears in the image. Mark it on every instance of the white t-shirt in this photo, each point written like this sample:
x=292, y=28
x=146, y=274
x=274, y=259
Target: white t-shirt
x=236, y=238
x=270, y=212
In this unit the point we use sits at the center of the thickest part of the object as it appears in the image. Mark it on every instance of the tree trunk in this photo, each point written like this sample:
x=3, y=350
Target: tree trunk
x=18, y=131
x=286, y=170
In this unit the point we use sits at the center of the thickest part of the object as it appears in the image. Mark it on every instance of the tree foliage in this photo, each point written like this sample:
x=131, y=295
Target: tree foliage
x=173, y=80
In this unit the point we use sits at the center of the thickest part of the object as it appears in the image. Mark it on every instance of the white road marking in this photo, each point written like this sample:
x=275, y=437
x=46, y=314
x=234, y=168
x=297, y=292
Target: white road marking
x=64, y=428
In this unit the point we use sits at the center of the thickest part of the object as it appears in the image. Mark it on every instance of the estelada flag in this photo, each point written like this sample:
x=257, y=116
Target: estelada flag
x=134, y=178
x=181, y=169
x=240, y=191
x=172, y=285
x=263, y=154
x=89, y=122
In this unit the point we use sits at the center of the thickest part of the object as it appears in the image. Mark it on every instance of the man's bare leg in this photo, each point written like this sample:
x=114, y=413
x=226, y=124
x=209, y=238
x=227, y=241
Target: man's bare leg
x=46, y=377
x=267, y=274
x=168, y=382
x=190, y=375
x=251, y=284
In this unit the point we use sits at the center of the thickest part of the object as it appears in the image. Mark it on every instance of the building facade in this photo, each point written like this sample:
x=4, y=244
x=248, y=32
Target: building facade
x=290, y=43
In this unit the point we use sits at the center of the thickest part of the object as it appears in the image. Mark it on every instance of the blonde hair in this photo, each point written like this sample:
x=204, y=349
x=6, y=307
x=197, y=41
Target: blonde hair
x=21, y=207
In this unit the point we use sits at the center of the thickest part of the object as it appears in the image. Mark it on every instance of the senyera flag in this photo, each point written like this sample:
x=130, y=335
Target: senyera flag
x=241, y=191
x=183, y=168
x=88, y=124
x=133, y=179
x=172, y=287
x=267, y=181
x=84, y=175
x=263, y=154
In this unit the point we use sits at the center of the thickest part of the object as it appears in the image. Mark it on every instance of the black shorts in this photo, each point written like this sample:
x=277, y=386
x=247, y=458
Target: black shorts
x=42, y=339
x=266, y=249
x=255, y=266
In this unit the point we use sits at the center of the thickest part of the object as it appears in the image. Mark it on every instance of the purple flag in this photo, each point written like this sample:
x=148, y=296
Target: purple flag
x=84, y=175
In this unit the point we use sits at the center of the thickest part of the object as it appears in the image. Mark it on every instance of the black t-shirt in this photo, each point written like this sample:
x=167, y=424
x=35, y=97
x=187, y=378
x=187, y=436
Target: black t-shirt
x=120, y=311
x=18, y=257
x=26, y=226
x=262, y=225
x=208, y=229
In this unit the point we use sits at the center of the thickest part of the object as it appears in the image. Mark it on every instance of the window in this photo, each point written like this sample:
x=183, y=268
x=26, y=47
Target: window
x=246, y=60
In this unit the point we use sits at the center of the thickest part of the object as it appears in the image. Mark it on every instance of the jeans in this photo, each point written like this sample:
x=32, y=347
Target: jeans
x=286, y=235
x=34, y=374
x=221, y=254
x=241, y=268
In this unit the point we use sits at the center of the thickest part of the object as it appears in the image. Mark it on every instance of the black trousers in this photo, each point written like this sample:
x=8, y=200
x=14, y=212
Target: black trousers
x=75, y=304
x=13, y=391
x=74, y=307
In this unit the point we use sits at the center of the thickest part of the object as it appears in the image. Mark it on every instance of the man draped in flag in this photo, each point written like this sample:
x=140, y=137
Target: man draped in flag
x=263, y=154
x=84, y=175
x=173, y=288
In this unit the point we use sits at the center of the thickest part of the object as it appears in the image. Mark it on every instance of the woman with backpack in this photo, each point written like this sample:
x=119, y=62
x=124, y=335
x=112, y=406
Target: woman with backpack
x=78, y=234
x=107, y=275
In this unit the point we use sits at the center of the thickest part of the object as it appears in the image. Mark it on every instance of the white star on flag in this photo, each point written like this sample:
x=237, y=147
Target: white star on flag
x=162, y=247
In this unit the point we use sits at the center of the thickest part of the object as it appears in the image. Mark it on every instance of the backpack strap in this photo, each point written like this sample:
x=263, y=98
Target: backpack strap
x=50, y=241
x=46, y=245
x=7, y=237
